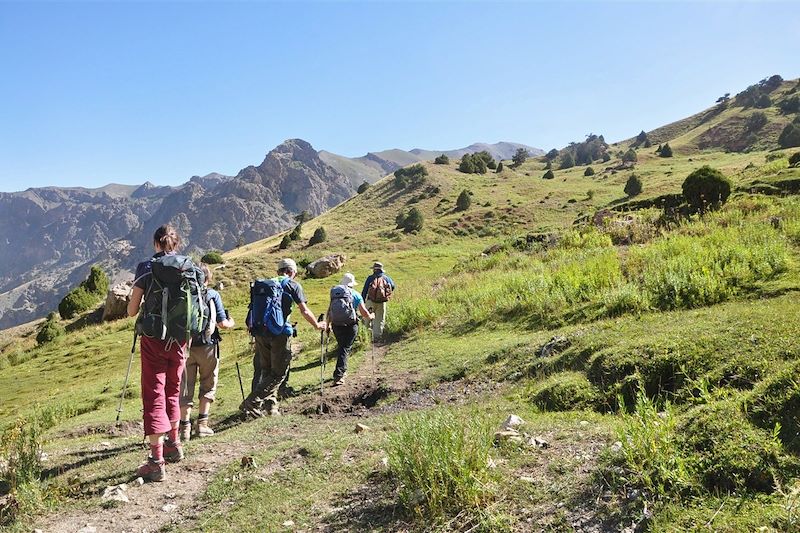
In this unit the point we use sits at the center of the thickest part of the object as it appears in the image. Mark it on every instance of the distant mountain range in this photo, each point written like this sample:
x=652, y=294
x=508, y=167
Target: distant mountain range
x=50, y=236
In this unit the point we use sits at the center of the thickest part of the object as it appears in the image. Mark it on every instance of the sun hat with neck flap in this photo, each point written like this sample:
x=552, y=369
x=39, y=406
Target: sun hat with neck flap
x=348, y=280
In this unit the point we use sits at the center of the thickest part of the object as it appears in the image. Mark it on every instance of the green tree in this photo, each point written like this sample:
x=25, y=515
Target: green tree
x=414, y=175
x=647, y=143
x=763, y=101
x=548, y=175
x=49, y=330
x=413, y=221
x=630, y=155
x=463, y=201
x=295, y=234
x=519, y=157
x=551, y=155
x=666, y=151
x=756, y=121
x=499, y=167
x=567, y=161
x=706, y=188
x=318, y=237
x=96, y=282
x=285, y=242
x=305, y=216
x=588, y=172
x=790, y=105
x=442, y=160
x=641, y=138
x=606, y=157
x=633, y=186
x=492, y=164
x=790, y=136
x=363, y=187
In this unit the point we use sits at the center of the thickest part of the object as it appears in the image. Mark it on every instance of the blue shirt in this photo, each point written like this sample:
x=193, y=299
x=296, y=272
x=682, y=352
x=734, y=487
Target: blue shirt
x=369, y=282
x=357, y=299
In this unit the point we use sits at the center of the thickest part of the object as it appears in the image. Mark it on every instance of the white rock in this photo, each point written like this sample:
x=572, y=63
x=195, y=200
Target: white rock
x=490, y=463
x=168, y=508
x=288, y=523
x=116, y=493
x=138, y=481
x=512, y=422
x=105, y=444
x=616, y=447
x=361, y=428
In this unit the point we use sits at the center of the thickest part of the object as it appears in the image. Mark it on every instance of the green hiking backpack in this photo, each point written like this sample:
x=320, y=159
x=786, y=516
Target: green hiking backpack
x=174, y=304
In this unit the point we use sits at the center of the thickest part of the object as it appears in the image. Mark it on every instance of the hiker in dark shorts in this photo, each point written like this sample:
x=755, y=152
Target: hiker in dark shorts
x=377, y=291
x=274, y=352
x=203, y=361
x=343, y=320
x=162, y=366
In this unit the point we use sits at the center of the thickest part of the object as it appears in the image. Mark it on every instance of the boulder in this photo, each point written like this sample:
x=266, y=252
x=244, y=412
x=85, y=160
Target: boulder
x=116, y=306
x=326, y=266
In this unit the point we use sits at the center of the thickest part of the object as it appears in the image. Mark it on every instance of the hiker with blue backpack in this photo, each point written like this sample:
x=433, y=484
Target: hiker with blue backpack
x=378, y=289
x=203, y=361
x=168, y=295
x=343, y=320
x=268, y=320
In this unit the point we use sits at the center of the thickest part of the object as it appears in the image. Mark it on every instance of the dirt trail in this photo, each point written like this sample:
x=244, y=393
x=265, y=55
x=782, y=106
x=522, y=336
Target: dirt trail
x=186, y=481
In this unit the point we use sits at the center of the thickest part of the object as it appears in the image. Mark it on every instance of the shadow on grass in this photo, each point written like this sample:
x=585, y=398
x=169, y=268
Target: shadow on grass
x=87, y=457
x=369, y=507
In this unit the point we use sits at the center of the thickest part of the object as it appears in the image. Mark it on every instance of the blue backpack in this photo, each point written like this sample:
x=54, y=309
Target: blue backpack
x=265, y=313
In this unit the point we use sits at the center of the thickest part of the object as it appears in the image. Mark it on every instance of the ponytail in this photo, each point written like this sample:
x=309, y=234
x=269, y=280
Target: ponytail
x=167, y=238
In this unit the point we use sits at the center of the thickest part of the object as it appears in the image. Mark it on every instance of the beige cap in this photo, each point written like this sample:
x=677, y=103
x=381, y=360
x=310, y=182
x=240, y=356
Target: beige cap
x=287, y=264
x=349, y=280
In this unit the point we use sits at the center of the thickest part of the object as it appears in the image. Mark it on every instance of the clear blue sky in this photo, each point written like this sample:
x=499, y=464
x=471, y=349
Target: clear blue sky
x=92, y=93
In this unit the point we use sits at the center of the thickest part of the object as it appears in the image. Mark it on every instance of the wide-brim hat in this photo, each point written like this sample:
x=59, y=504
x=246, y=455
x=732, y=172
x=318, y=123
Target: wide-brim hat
x=349, y=280
x=287, y=264
x=377, y=265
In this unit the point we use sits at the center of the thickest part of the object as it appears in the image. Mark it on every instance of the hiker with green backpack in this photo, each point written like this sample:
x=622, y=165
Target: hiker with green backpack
x=378, y=289
x=203, y=362
x=268, y=320
x=343, y=320
x=168, y=295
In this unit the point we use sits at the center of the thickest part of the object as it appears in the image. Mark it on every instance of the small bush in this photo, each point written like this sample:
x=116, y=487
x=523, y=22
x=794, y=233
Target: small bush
x=285, y=242
x=499, y=167
x=567, y=161
x=464, y=201
x=318, y=237
x=763, y=101
x=492, y=165
x=588, y=172
x=666, y=151
x=440, y=465
x=363, y=187
x=756, y=121
x=706, y=188
x=520, y=156
x=411, y=221
x=414, y=175
x=790, y=136
x=548, y=175
x=606, y=157
x=633, y=186
x=564, y=392
x=213, y=257
x=790, y=105
x=630, y=155
x=295, y=234
x=50, y=330
x=75, y=302
x=442, y=160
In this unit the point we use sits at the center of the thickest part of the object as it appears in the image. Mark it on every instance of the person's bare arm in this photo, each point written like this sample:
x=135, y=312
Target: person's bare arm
x=310, y=318
x=135, y=301
x=365, y=312
x=228, y=323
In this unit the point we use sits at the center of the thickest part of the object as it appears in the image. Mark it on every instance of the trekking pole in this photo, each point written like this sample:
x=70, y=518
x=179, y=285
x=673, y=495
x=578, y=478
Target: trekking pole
x=372, y=343
x=127, y=375
x=321, y=366
x=238, y=372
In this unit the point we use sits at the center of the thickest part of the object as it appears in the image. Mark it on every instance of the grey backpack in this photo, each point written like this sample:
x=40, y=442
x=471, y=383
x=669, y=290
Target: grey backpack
x=342, y=311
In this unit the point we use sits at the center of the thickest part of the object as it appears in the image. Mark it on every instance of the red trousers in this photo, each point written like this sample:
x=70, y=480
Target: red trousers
x=161, y=383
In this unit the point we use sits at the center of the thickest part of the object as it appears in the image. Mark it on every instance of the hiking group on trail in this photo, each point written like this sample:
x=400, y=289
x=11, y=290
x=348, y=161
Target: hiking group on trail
x=178, y=323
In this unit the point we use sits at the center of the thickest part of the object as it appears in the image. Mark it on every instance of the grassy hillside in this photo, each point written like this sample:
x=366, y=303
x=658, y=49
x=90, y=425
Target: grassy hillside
x=643, y=354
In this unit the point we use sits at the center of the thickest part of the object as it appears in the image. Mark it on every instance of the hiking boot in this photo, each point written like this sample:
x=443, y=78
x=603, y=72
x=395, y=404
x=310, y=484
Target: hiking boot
x=186, y=430
x=338, y=381
x=152, y=470
x=252, y=409
x=202, y=428
x=272, y=409
x=173, y=451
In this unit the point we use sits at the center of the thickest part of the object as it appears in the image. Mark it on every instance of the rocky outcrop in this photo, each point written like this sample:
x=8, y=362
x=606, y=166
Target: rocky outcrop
x=117, y=299
x=326, y=266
